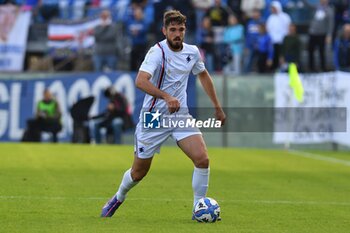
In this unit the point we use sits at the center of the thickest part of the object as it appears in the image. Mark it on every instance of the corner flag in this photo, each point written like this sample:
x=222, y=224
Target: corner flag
x=295, y=82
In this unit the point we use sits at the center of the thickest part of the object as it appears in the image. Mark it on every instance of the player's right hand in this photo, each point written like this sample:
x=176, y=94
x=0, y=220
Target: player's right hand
x=173, y=104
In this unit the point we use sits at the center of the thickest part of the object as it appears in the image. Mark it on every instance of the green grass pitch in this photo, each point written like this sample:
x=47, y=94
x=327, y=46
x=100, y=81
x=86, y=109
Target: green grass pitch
x=62, y=188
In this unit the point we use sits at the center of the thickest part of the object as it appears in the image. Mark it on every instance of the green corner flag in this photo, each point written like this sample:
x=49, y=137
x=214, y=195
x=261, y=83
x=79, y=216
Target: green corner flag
x=295, y=82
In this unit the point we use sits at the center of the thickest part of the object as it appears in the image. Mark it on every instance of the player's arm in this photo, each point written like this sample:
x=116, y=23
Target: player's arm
x=143, y=82
x=209, y=88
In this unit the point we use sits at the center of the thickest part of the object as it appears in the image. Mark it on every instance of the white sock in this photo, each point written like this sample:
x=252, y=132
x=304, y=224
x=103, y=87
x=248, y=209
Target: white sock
x=125, y=186
x=200, y=182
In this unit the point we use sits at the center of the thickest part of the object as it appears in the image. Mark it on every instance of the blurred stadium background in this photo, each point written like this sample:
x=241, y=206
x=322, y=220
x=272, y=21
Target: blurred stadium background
x=32, y=58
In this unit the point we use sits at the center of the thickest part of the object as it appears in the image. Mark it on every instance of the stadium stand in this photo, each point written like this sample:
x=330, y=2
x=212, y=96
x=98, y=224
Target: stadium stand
x=70, y=11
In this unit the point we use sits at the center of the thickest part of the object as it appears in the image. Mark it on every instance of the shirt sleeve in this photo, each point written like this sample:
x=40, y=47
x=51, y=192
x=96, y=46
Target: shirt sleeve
x=152, y=61
x=199, y=65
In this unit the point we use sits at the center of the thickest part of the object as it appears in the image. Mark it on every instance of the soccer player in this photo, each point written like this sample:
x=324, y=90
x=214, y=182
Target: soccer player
x=163, y=76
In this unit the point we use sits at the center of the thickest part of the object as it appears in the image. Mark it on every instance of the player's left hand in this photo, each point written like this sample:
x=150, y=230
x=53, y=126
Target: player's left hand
x=220, y=115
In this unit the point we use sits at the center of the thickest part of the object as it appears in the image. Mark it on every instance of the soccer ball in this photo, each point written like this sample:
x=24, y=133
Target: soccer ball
x=206, y=210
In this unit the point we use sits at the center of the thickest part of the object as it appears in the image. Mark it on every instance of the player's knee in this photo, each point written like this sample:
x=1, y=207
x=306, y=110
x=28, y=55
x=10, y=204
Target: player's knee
x=138, y=175
x=200, y=158
x=202, y=162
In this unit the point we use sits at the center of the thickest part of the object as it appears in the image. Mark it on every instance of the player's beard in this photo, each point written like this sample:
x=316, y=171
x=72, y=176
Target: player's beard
x=176, y=44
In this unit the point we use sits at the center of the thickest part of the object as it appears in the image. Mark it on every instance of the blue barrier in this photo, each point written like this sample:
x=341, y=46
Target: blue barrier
x=18, y=98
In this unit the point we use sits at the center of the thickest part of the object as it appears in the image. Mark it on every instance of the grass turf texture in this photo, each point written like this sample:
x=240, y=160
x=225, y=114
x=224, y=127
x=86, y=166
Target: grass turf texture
x=62, y=188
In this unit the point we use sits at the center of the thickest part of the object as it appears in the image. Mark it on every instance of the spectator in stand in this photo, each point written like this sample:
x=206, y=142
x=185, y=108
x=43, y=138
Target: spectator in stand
x=201, y=7
x=342, y=50
x=49, y=9
x=148, y=11
x=105, y=53
x=277, y=25
x=47, y=119
x=115, y=119
x=252, y=34
x=265, y=50
x=320, y=32
x=341, y=8
x=234, y=37
x=291, y=48
x=250, y=6
x=207, y=44
x=125, y=9
x=218, y=15
x=137, y=30
x=267, y=11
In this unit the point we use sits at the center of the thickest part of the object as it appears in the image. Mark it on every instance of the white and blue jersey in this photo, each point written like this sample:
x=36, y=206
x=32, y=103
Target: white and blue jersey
x=169, y=72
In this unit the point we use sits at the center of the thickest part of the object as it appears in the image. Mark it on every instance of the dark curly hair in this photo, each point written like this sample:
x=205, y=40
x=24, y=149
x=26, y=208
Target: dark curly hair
x=173, y=16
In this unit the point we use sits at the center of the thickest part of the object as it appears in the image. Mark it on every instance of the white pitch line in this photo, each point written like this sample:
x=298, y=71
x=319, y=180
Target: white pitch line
x=319, y=157
x=286, y=202
x=270, y=202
